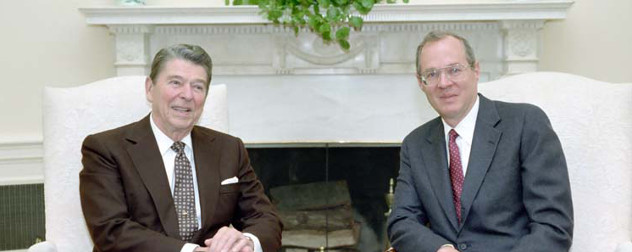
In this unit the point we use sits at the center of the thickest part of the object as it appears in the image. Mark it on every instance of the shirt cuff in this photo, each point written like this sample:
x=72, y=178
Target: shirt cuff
x=255, y=240
x=447, y=246
x=189, y=247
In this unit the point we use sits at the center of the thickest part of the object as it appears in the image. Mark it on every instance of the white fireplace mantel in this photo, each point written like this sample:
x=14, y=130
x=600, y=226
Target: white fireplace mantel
x=504, y=33
x=476, y=10
x=285, y=88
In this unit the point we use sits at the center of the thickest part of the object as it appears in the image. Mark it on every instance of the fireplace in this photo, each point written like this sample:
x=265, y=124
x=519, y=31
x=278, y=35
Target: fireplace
x=360, y=170
x=313, y=115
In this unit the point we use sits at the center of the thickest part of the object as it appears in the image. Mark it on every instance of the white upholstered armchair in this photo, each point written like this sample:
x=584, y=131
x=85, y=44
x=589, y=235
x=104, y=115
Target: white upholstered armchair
x=594, y=122
x=70, y=114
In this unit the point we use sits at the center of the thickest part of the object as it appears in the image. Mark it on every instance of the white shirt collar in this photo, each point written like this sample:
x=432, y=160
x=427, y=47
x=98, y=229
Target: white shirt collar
x=164, y=142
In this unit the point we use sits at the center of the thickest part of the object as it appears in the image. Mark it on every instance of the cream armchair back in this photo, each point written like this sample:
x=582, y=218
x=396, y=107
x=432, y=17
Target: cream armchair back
x=70, y=114
x=593, y=120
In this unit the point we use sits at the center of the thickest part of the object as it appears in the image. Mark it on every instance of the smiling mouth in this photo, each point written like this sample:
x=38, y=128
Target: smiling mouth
x=443, y=97
x=181, y=109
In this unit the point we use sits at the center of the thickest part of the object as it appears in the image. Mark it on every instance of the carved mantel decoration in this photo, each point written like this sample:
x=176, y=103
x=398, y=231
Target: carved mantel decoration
x=504, y=33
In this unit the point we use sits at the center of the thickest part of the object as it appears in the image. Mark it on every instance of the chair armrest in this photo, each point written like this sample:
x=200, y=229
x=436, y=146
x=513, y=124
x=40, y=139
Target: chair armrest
x=45, y=246
x=624, y=247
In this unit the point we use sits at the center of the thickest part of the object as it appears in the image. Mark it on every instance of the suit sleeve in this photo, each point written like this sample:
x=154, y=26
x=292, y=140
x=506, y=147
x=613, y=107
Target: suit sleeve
x=255, y=213
x=546, y=187
x=407, y=228
x=105, y=208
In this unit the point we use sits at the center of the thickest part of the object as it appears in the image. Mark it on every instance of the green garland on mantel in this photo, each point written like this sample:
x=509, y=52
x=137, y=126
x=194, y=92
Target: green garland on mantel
x=332, y=20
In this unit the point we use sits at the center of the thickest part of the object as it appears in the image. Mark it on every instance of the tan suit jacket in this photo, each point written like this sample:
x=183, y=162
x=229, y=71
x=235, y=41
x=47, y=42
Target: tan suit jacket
x=127, y=201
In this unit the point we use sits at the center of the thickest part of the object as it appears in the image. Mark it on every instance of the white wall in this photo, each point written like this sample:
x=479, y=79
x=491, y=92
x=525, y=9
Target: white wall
x=594, y=41
x=45, y=42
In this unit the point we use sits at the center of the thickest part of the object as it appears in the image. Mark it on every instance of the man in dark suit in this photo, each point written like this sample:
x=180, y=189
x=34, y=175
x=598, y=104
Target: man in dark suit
x=164, y=184
x=485, y=176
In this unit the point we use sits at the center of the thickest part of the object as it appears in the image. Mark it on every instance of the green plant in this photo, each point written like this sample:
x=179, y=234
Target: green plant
x=243, y=2
x=332, y=20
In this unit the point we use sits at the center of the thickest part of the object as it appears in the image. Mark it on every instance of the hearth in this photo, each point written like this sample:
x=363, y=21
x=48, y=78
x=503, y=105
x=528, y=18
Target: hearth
x=346, y=181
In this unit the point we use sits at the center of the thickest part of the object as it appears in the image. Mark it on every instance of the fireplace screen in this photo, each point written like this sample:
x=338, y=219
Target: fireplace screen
x=329, y=197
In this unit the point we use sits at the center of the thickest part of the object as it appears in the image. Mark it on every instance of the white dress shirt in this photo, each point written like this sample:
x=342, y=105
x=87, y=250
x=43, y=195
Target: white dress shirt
x=168, y=159
x=465, y=129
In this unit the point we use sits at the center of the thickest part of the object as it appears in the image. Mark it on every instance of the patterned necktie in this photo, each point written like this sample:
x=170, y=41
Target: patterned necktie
x=184, y=196
x=456, y=173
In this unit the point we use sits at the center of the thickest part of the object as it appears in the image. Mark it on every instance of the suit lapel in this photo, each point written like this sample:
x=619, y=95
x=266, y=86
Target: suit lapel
x=434, y=153
x=484, y=143
x=206, y=154
x=146, y=156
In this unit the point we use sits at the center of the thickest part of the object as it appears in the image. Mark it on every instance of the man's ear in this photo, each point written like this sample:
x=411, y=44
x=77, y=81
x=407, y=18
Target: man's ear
x=149, y=84
x=477, y=70
x=420, y=82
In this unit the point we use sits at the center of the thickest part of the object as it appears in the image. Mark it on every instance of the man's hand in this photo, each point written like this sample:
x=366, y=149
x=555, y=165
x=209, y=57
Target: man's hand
x=228, y=239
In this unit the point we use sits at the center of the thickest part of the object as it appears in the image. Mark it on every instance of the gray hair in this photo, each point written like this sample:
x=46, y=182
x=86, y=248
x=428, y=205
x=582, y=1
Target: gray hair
x=192, y=53
x=438, y=35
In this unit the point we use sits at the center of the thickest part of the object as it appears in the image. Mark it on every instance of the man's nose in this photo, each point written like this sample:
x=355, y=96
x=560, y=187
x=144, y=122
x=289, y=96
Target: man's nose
x=187, y=92
x=444, y=81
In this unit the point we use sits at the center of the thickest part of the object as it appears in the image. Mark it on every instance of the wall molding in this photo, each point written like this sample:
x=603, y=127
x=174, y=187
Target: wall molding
x=413, y=12
x=21, y=162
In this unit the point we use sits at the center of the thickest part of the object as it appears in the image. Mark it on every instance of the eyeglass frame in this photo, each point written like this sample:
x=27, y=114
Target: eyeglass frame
x=440, y=71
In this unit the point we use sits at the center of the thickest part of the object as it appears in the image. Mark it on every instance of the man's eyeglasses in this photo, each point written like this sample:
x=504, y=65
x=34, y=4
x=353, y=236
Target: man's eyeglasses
x=431, y=77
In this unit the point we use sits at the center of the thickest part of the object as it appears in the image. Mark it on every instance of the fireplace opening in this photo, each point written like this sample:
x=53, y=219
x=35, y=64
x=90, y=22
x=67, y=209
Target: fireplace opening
x=331, y=196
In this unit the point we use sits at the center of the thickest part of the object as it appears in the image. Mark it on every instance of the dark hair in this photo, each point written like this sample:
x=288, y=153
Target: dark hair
x=438, y=35
x=192, y=53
